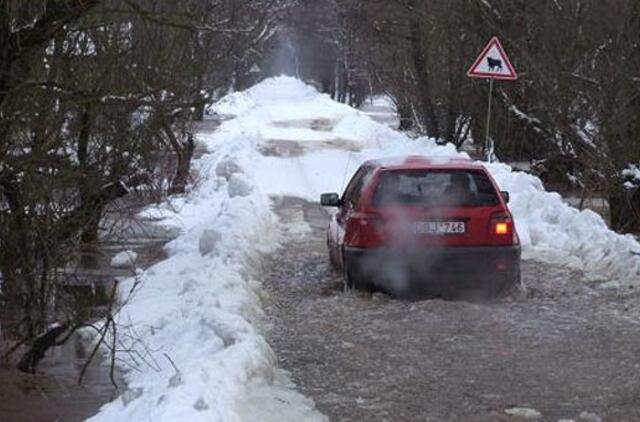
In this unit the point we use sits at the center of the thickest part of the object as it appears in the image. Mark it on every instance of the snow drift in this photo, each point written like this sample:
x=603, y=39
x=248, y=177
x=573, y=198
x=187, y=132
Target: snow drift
x=200, y=308
x=549, y=229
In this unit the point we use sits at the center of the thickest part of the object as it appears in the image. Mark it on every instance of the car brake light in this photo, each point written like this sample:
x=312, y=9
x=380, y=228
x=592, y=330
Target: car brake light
x=501, y=230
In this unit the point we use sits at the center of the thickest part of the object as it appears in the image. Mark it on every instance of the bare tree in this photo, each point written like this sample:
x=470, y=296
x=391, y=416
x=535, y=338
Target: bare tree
x=95, y=98
x=573, y=107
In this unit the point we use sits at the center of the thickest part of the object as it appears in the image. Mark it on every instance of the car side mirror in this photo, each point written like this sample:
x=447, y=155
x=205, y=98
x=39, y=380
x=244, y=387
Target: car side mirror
x=505, y=196
x=330, y=200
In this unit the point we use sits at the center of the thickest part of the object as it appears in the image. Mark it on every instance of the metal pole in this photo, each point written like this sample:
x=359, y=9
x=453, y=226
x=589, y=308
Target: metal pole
x=488, y=144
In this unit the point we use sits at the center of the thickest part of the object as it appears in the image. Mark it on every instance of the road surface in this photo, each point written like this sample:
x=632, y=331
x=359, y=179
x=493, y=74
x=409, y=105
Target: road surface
x=566, y=351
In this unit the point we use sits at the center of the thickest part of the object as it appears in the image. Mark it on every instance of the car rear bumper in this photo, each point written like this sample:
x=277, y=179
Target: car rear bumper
x=435, y=270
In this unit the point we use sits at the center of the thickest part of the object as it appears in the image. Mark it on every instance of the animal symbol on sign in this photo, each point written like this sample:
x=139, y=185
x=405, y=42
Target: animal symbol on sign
x=494, y=64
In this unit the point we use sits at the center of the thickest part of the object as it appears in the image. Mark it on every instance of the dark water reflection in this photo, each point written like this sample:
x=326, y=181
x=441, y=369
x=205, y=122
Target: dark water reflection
x=53, y=394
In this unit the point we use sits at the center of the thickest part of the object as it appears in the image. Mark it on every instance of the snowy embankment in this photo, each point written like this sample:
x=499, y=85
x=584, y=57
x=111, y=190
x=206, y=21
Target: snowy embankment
x=325, y=159
x=200, y=308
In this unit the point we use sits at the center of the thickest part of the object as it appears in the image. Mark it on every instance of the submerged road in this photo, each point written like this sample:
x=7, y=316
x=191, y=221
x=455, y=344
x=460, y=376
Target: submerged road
x=566, y=351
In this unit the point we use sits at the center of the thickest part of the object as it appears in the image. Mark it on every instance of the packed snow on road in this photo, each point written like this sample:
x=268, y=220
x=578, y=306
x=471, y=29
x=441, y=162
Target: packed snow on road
x=194, y=326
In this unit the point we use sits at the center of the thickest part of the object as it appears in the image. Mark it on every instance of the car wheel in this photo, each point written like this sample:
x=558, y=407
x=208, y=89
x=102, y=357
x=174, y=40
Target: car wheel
x=332, y=258
x=348, y=277
x=514, y=289
x=353, y=279
x=518, y=289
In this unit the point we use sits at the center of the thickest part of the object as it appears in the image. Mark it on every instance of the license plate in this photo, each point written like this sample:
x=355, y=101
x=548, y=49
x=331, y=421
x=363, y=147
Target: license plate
x=440, y=227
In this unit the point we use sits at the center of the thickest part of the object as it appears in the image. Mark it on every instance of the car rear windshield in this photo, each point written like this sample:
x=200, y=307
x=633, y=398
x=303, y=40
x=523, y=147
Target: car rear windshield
x=435, y=188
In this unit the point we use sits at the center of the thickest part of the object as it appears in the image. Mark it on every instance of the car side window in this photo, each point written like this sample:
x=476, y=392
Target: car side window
x=354, y=188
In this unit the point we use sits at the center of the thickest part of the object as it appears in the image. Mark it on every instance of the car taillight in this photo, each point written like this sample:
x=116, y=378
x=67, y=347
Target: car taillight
x=364, y=231
x=502, y=227
x=501, y=230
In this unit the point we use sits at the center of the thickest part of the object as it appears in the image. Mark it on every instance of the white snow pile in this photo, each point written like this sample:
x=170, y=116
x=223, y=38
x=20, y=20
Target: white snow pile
x=632, y=176
x=194, y=324
x=523, y=413
x=550, y=230
x=196, y=352
x=124, y=259
x=553, y=231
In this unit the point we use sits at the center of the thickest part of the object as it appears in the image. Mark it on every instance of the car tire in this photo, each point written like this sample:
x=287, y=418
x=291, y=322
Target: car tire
x=514, y=289
x=348, y=276
x=332, y=258
x=353, y=279
x=518, y=290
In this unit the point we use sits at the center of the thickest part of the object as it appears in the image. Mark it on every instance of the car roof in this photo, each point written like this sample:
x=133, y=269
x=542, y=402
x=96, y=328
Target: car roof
x=419, y=162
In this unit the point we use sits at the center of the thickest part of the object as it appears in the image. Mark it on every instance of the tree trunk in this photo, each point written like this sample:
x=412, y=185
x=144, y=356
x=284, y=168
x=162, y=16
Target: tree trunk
x=406, y=120
x=87, y=184
x=36, y=352
x=16, y=257
x=624, y=209
x=419, y=55
x=184, y=152
x=198, y=114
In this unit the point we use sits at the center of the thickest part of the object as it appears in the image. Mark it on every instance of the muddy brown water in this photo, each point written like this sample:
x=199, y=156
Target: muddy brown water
x=567, y=349
x=53, y=393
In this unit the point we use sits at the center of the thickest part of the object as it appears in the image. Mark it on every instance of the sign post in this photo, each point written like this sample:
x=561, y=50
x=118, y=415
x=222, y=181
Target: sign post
x=491, y=64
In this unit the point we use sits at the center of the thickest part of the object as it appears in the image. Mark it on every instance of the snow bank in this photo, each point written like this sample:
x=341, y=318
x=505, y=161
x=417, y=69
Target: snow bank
x=124, y=259
x=632, y=176
x=553, y=231
x=200, y=308
x=550, y=230
x=192, y=325
x=280, y=99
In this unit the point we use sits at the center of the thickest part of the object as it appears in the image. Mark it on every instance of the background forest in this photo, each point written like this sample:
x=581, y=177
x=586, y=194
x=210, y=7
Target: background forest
x=98, y=101
x=573, y=111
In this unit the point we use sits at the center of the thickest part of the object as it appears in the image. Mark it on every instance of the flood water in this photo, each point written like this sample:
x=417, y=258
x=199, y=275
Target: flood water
x=53, y=393
x=566, y=349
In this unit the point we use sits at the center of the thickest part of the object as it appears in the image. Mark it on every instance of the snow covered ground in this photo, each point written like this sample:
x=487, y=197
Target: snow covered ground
x=200, y=309
x=124, y=259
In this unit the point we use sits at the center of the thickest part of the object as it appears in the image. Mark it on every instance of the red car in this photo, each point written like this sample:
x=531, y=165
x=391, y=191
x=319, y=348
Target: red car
x=424, y=225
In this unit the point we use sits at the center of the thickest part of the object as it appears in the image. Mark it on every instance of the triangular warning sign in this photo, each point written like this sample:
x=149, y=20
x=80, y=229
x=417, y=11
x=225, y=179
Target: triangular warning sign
x=492, y=63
